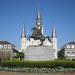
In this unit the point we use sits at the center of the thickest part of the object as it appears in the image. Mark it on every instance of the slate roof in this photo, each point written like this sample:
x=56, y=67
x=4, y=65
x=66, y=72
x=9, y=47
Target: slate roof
x=73, y=42
x=5, y=42
x=70, y=43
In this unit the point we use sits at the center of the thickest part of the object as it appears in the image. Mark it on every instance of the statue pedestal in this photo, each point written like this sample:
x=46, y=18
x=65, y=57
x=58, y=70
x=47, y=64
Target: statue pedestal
x=39, y=53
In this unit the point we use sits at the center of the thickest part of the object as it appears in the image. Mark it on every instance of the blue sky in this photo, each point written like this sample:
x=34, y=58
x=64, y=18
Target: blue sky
x=15, y=13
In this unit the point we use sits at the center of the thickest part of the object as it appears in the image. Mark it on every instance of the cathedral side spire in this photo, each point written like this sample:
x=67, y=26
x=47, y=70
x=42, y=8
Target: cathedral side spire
x=54, y=40
x=54, y=35
x=23, y=40
x=23, y=35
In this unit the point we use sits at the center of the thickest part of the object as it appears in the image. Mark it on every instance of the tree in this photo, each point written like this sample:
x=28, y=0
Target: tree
x=20, y=55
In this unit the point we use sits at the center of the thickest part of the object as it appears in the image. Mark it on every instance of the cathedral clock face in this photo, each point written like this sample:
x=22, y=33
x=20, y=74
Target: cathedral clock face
x=1, y=46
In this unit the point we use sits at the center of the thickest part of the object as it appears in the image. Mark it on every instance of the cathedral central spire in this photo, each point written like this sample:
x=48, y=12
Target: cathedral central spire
x=38, y=15
x=38, y=18
x=39, y=21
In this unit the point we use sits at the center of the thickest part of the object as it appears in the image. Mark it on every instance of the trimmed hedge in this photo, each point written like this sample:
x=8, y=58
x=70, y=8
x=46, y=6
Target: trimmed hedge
x=38, y=64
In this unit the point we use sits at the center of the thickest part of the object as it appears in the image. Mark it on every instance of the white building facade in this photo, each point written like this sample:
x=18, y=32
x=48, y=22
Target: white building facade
x=68, y=51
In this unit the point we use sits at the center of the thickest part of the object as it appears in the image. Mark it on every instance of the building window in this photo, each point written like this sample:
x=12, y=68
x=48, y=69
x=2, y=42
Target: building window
x=9, y=46
x=1, y=46
x=73, y=52
x=68, y=46
x=5, y=46
x=68, y=52
x=72, y=46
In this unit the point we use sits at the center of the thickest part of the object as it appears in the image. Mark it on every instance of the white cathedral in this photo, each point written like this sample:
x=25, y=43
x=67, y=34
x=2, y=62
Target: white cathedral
x=39, y=47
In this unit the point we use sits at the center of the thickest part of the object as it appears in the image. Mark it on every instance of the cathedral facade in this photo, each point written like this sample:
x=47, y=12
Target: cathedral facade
x=37, y=46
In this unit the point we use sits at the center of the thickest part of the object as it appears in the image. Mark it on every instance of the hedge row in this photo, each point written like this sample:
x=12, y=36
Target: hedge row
x=38, y=64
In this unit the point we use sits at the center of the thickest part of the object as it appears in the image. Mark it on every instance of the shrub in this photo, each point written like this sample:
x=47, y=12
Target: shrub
x=38, y=64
